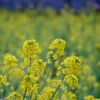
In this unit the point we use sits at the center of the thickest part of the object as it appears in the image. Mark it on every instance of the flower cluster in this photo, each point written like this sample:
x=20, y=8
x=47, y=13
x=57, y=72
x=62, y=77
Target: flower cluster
x=14, y=96
x=10, y=61
x=34, y=70
x=56, y=50
x=3, y=83
x=56, y=54
x=37, y=67
x=70, y=68
x=46, y=93
x=31, y=48
x=29, y=85
x=11, y=69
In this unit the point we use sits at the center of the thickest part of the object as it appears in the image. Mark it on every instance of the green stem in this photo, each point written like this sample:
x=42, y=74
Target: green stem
x=25, y=94
x=55, y=92
x=61, y=94
x=57, y=89
x=30, y=61
x=4, y=93
x=31, y=95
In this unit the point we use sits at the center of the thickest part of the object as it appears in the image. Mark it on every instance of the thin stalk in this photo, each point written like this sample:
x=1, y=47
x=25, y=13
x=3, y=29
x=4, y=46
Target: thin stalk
x=25, y=94
x=55, y=92
x=31, y=95
x=30, y=61
x=61, y=94
x=4, y=93
x=57, y=89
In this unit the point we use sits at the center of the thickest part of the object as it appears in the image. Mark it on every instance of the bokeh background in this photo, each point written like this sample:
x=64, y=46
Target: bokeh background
x=75, y=21
x=55, y=4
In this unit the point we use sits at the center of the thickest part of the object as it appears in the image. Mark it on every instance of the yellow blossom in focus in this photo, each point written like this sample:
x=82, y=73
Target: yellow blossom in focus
x=31, y=48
